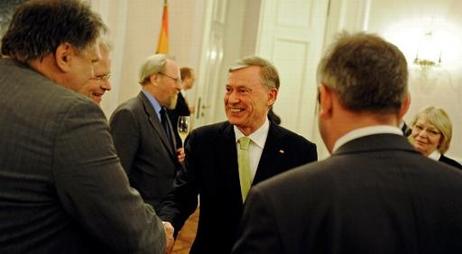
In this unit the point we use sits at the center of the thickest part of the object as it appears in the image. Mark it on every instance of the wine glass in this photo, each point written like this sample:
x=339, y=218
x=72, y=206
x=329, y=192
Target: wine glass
x=184, y=126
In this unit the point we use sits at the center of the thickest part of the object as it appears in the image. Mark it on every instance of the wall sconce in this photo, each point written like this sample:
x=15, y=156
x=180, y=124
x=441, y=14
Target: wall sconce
x=428, y=53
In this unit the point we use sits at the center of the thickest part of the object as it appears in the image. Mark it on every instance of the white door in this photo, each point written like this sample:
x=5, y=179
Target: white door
x=291, y=35
x=211, y=62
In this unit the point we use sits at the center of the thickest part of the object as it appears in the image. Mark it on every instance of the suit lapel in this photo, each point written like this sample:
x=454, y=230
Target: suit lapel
x=155, y=122
x=272, y=154
x=228, y=165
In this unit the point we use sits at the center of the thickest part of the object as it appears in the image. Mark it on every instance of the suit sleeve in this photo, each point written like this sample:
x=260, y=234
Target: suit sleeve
x=124, y=130
x=258, y=230
x=94, y=189
x=181, y=202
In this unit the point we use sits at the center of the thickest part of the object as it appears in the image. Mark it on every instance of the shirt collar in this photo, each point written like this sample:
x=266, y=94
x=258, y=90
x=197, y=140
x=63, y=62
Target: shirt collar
x=435, y=155
x=155, y=104
x=258, y=137
x=366, y=131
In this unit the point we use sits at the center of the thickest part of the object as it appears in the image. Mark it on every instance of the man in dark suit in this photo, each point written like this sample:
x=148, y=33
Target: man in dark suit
x=62, y=188
x=375, y=193
x=143, y=138
x=221, y=168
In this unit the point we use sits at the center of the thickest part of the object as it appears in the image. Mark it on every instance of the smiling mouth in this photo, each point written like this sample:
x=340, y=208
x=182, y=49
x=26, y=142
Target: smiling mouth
x=421, y=142
x=235, y=110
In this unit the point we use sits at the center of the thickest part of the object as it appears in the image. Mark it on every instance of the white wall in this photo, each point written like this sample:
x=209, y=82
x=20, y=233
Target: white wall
x=134, y=29
x=404, y=22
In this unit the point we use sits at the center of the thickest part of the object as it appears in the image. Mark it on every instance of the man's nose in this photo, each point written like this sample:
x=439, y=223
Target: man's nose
x=106, y=85
x=233, y=98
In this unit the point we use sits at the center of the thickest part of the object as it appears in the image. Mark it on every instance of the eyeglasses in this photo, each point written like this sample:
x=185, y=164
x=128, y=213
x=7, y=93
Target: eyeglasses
x=104, y=77
x=430, y=131
x=177, y=80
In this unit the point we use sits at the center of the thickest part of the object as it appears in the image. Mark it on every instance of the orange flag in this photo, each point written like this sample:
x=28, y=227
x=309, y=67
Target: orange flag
x=162, y=45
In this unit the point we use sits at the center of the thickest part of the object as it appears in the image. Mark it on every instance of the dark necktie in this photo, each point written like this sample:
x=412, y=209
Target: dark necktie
x=165, y=123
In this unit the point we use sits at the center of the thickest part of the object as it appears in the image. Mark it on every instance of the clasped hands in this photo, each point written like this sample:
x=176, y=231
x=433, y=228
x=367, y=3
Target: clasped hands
x=170, y=240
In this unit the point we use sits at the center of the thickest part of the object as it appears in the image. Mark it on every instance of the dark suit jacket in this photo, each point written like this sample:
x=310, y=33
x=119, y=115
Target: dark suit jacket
x=181, y=109
x=144, y=149
x=375, y=194
x=212, y=172
x=62, y=188
x=450, y=161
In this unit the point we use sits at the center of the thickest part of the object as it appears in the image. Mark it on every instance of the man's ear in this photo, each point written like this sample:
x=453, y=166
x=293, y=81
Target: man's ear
x=325, y=101
x=272, y=96
x=63, y=56
x=405, y=105
x=154, y=79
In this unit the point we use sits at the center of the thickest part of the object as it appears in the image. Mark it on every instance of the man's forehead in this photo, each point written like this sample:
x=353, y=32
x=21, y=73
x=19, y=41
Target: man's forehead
x=92, y=51
x=172, y=66
x=243, y=79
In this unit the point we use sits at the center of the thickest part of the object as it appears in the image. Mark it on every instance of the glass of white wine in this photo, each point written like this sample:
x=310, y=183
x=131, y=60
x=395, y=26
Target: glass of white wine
x=184, y=126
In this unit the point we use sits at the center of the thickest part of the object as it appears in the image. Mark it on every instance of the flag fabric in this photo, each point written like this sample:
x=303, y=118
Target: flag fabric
x=162, y=45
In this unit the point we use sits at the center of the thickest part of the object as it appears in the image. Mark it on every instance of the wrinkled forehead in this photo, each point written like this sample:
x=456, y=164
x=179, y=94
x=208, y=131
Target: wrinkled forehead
x=92, y=52
x=247, y=76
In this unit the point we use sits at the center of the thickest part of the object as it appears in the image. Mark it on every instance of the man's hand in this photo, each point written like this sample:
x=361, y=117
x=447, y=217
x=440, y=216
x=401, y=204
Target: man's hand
x=168, y=236
x=180, y=154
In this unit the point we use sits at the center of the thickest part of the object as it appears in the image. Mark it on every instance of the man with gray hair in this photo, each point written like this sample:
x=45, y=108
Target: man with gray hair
x=100, y=83
x=375, y=193
x=143, y=134
x=224, y=160
x=62, y=188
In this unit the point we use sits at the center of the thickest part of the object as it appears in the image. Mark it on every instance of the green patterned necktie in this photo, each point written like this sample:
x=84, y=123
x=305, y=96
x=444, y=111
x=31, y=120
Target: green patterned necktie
x=244, y=166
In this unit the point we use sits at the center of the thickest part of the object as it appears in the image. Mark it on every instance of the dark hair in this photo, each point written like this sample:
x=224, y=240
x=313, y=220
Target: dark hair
x=38, y=27
x=367, y=72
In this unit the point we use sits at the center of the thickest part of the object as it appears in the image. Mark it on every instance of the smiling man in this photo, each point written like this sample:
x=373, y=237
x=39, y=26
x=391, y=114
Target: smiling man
x=100, y=83
x=223, y=160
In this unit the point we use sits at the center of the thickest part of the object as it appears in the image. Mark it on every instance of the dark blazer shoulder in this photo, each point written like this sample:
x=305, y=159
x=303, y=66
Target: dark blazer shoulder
x=450, y=161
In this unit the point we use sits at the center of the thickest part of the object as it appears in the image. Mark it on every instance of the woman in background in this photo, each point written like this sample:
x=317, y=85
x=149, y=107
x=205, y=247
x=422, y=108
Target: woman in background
x=431, y=134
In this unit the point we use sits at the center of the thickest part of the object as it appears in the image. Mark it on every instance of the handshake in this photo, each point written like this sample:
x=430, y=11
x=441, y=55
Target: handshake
x=170, y=240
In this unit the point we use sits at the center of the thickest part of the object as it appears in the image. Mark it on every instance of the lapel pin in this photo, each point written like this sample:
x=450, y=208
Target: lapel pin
x=281, y=151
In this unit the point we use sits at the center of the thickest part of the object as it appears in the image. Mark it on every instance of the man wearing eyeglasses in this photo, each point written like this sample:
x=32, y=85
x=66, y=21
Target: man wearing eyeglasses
x=99, y=84
x=142, y=131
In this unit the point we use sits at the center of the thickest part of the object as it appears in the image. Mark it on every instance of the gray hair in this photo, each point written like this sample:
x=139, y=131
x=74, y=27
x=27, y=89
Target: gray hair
x=152, y=65
x=367, y=72
x=268, y=73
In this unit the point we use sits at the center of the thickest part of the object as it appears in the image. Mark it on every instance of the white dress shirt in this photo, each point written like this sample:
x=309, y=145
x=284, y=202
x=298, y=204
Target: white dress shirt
x=366, y=131
x=257, y=143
